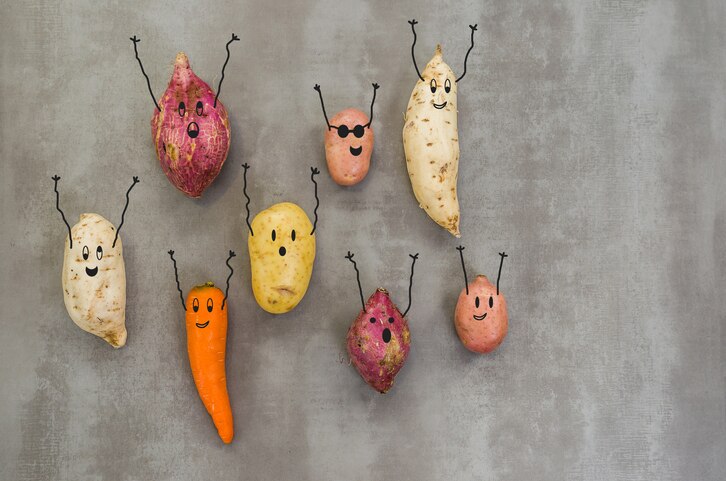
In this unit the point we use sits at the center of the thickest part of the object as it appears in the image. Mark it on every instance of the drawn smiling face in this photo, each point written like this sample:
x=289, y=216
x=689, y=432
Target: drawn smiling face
x=481, y=318
x=204, y=307
x=438, y=89
x=348, y=147
x=282, y=253
x=93, y=248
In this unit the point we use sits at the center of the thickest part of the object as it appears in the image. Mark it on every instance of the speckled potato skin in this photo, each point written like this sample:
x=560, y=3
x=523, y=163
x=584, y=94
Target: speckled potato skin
x=97, y=304
x=431, y=144
x=487, y=334
x=191, y=164
x=279, y=282
x=344, y=167
x=378, y=361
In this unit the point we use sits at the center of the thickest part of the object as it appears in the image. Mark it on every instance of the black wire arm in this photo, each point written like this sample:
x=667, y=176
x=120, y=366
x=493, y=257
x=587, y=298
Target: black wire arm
x=473, y=29
x=57, y=206
x=315, y=172
x=247, y=205
x=370, y=120
x=410, y=282
x=502, y=255
x=413, y=55
x=219, y=87
x=176, y=276
x=231, y=271
x=148, y=82
x=357, y=277
x=123, y=214
x=320, y=94
x=466, y=281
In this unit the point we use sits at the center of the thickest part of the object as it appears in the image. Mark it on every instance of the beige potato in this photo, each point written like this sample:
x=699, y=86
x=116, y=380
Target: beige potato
x=94, y=279
x=431, y=143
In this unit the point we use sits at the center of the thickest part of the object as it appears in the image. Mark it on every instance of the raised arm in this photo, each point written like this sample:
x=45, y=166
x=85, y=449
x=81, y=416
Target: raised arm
x=57, y=206
x=231, y=271
x=322, y=104
x=413, y=54
x=148, y=83
x=370, y=119
x=176, y=276
x=466, y=281
x=473, y=29
x=502, y=255
x=410, y=282
x=123, y=214
x=357, y=278
x=315, y=172
x=235, y=38
x=247, y=205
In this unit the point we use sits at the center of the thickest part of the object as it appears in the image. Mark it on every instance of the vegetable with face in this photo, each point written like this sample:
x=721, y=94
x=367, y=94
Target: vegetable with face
x=480, y=318
x=378, y=340
x=431, y=138
x=281, y=244
x=348, y=143
x=190, y=127
x=206, y=325
x=94, y=276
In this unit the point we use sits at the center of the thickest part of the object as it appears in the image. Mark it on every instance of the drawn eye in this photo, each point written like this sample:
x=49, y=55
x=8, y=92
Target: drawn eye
x=200, y=107
x=210, y=304
x=85, y=253
x=476, y=302
x=182, y=109
x=343, y=131
x=195, y=304
x=358, y=131
x=433, y=85
x=390, y=320
x=491, y=302
x=293, y=235
x=373, y=320
x=99, y=252
x=274, y=236
x=447, y=86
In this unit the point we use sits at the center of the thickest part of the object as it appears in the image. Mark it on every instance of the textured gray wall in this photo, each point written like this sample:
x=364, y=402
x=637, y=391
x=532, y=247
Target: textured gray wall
x=593, y=151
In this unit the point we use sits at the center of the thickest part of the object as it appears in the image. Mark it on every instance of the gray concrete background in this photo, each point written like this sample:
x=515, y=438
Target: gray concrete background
x=593, y=149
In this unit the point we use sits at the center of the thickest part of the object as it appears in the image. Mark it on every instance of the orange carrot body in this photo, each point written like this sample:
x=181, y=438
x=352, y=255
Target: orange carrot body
x=206, y=322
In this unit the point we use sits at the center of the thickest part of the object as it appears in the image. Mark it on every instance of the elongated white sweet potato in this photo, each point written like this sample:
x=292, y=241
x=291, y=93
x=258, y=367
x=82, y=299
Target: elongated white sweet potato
x=431, y=143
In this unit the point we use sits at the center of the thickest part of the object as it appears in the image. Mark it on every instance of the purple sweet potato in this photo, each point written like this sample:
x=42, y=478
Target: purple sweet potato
x=379, y=341
x=191, y=134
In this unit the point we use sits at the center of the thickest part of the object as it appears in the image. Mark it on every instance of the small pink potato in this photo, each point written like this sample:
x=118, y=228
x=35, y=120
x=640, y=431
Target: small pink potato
x=348, y=147
x=481, y=316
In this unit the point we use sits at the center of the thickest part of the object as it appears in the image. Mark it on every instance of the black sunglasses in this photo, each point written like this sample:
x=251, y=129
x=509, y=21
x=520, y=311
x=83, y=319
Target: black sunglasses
x=343, y=131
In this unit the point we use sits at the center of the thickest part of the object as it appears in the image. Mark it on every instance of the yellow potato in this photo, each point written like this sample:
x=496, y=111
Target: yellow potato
x=282, y=253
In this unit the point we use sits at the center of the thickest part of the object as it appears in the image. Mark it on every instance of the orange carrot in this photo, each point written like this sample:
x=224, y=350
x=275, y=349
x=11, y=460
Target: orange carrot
x=206, y=322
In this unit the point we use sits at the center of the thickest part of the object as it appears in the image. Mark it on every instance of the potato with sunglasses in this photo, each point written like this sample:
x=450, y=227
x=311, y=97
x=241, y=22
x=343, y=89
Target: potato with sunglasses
x=348, y=143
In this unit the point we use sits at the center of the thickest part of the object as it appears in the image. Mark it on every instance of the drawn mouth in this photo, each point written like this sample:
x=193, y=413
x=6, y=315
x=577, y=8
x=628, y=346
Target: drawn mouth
x=480, y=318
x=386, y=335
x=441, y=106
x=285, y=290
x=202, y=326
x=357, y=151
x=193, y=130
x=91, y=272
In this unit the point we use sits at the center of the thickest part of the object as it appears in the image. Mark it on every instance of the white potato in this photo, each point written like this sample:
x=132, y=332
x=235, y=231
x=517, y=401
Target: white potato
x=94, y=279
x=431, y=143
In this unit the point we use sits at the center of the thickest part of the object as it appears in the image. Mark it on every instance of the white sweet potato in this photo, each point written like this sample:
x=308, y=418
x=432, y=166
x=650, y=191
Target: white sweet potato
x=94, y=279
x=431, y=143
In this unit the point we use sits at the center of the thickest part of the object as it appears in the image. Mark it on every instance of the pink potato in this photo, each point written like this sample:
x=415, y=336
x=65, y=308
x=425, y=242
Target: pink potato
x=191, y=134
x=379, y=341
x=481, y=316
x=349, y=157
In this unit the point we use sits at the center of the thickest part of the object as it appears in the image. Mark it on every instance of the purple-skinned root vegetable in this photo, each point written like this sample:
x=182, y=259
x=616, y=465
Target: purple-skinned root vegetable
x=379, y=339
x=481, y=318
x=190, y=128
